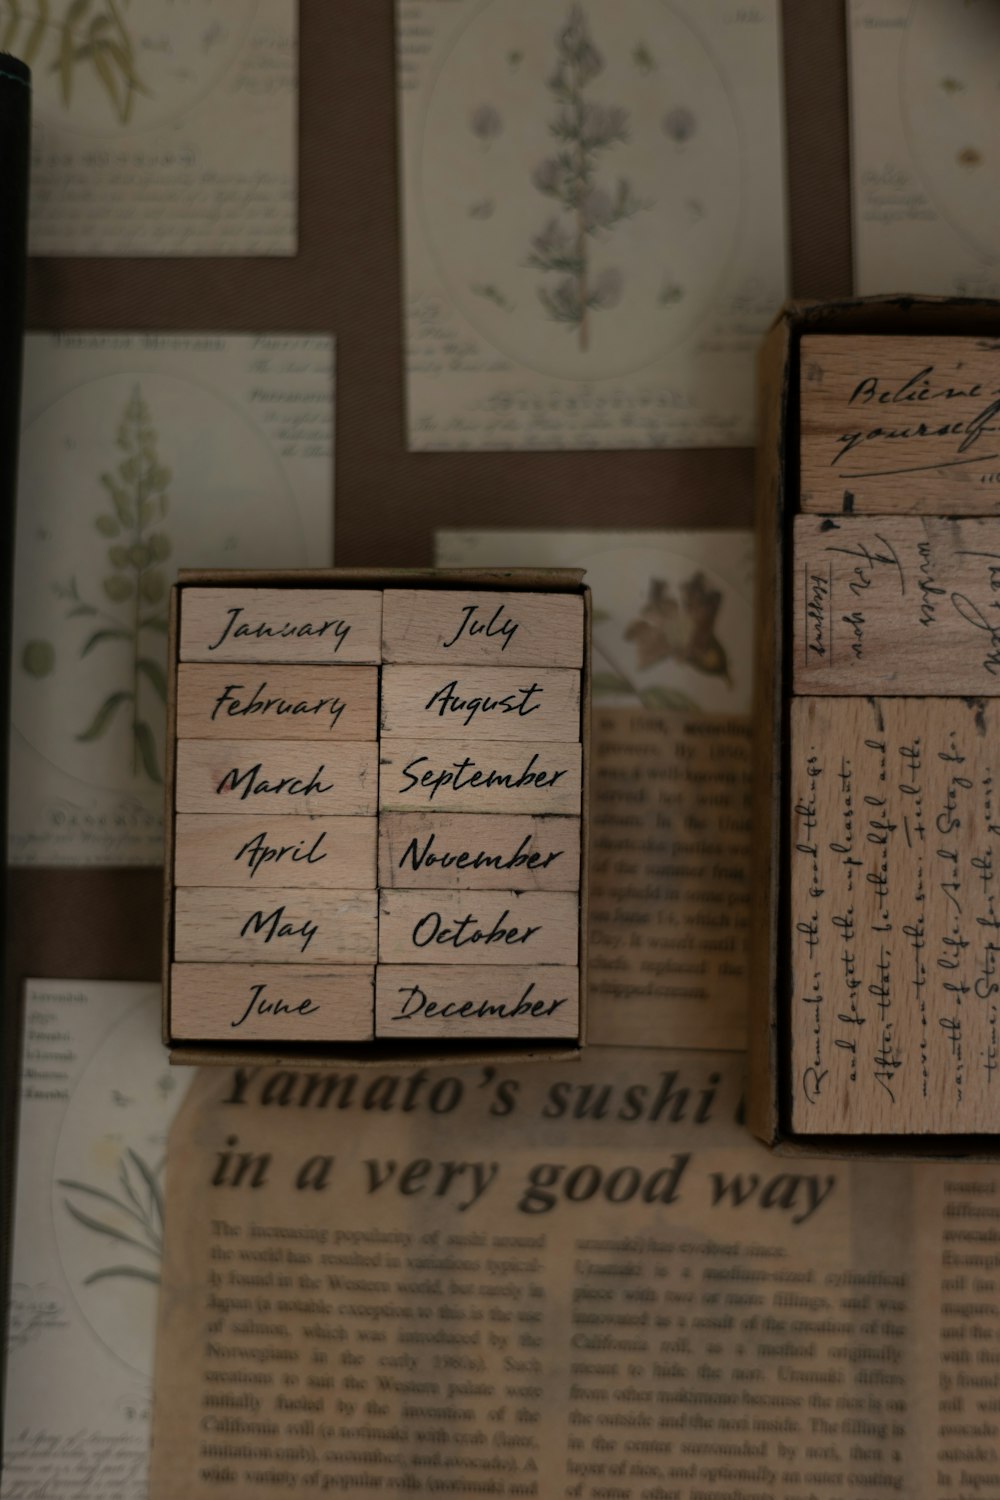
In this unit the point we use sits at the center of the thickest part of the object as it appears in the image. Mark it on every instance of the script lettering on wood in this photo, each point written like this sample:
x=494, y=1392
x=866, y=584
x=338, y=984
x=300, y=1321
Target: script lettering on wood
x=213, y=849
x=282, y=1003
x=279, y=703
x=281, y=625
x=449, y=776
x=445, y=1001
x=895, y=914
x=482, y=627
x=894, y=424
x=481, y=703
x=896, y=604
x=462, y=851
x=277, y=777
x=478, y=927
x=284, y=926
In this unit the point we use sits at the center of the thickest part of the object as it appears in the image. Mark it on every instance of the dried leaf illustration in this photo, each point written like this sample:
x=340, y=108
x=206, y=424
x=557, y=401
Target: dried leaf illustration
x=139, y=1202
x=672, y=629
x=85, y=33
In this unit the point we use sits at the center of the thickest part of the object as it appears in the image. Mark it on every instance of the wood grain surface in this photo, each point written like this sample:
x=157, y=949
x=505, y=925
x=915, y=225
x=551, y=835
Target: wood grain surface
x=449, y=776
x=482, y=627
x=478, y=927
x=481, y=703
x=896, y=424
x=466, y=851
x=415, y=1001
x=259, y=702
x=277, y=777
x=281, y=625
x=282, y=1003
x=262, y=852
x=284, y=926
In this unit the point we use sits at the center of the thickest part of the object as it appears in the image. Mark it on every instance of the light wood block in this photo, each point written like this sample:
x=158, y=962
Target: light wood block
x=479, y=927
x=481, y=703
x=900, y=424
x=895, y=915
x=481, y=626
x=276, y=777
x=463, y=851
x=896, y=604
x=215, y=925
x=282, y=1003
x=448, y=776
x=213, y=849
x=280, y=625
x=276, y=703
x=416, y=1002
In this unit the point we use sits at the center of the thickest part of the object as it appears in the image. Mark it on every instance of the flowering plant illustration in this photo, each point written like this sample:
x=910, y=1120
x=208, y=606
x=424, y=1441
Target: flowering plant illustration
x=135, y=587
x=588, y=210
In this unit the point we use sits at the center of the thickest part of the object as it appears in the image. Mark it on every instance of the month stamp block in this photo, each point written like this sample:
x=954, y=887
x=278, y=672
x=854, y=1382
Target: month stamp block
x=282, y=624
x=424, y=626
x=293, y=1002
x=428, y=1000
x=369, y=778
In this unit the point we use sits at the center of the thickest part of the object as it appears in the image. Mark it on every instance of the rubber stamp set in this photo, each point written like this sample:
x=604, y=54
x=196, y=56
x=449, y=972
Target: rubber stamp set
x=881, y=661
x=376, y=810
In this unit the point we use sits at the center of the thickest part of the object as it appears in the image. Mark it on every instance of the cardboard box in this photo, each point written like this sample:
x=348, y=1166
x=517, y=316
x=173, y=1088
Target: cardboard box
x=777, y=502
x=389, y=1051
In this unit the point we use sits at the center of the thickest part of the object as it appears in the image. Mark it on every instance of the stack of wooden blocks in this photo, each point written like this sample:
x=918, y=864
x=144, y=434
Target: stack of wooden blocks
x=893, y=756
x=376, y=815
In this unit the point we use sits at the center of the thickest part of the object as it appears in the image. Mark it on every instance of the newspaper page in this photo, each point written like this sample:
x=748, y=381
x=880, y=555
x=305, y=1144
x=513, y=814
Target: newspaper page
x=670, y=771
x=578, y=1279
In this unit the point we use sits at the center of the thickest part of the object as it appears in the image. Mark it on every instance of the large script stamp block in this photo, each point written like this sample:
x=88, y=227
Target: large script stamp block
x=894, y=925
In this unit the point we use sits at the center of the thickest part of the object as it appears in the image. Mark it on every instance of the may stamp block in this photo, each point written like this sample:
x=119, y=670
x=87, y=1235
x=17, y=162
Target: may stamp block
x=377, y=830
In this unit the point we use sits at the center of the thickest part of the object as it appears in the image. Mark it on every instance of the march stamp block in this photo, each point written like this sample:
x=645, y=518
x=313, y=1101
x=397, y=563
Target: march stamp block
x=281, y=778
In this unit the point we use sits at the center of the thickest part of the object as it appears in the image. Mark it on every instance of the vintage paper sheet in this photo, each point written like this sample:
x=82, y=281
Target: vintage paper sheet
x=926, y=176
x=97, y=1099
x=140, y=454
x=581, y=1279
x=160, y=127
x=670, y=782
x=594, y=219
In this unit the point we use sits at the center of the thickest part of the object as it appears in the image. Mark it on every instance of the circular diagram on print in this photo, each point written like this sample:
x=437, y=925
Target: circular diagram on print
x=950, y=90
x=669, y=631
x=106, y=66
x=580, y=180
x=163, y=474
x=107, y=1193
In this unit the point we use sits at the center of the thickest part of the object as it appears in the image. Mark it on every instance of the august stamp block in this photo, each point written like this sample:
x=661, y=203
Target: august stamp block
x=481, y=703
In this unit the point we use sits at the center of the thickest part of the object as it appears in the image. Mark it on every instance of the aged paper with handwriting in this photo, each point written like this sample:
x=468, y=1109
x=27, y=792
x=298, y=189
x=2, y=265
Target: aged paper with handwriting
x=924, y=163
x=594, y=238
x=582, y=1279
x=669, y=786
x=97, y=1099
x=161, y=127
x=142, y=453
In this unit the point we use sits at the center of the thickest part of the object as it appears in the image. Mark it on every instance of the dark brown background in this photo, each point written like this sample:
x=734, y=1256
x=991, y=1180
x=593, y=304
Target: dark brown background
x=103, y=924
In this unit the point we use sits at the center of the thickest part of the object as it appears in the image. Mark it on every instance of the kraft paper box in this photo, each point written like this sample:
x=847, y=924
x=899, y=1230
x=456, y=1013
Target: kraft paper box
x=800, y=637
x=357, y=693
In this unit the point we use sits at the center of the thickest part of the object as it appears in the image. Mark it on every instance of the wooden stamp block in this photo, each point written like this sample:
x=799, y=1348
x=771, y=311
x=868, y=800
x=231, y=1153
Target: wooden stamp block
x=481, y=703
x=275, y=927
x=480, y=626
x=900, y=424
x=282, y=1003
x=478, y=927
x=448, y=776
x=427, y=1000
x=462, y=851
x=895, y=915
x=260, y=852
x=276, y=703
x=896, y=604
x=276, y=777
x=281, y=625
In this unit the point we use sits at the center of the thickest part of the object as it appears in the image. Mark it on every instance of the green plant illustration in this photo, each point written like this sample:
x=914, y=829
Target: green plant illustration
x=136, y=586
x=584, y=131
x=80, y=34
x=138, y=1204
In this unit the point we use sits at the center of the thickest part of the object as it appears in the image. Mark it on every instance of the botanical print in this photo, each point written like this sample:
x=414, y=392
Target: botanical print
x=159, y=127
x=584, y=132
x=925, y=165
x=593, y=242
x=671, y=610
x=141, y=454
x=79, y=34
x=135, y=1220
